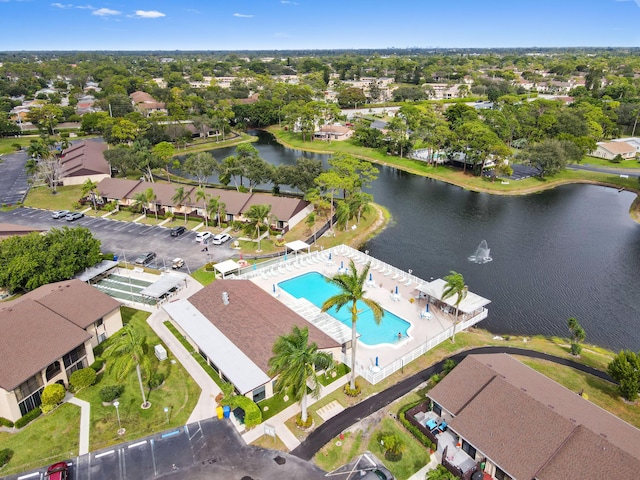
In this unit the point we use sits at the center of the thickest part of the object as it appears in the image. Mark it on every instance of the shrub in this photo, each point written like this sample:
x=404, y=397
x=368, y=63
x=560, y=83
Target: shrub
x=5, y=422
x=111, y=392
x=576, y=348
x=252, y=413
x=448, y=365
x=352, y=393
x=77, y=205
x=28, y=418
x=97, y=365
x=393, y=445
x=435, y=378
x=82, y=378
x=302, y=424
x=53, y=394
x=5, y=456
x=156, y=380
x=421, y=437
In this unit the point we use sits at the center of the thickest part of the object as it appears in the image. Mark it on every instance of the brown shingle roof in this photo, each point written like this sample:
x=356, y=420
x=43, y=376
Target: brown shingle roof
x=234, y=201
x=282, y=207
x=77, y=301
x=31, y=338
x=165, y=192
x=253, y=320
x=618, y=147
x=10, y=229
x=526, y=422
x=84, y=158
x=116, y=188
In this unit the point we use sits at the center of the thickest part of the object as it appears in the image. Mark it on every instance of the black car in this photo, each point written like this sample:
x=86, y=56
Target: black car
x=177, y=231
x=145, y=258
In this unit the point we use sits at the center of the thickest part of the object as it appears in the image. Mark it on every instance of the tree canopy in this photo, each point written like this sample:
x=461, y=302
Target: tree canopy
x=30, y=261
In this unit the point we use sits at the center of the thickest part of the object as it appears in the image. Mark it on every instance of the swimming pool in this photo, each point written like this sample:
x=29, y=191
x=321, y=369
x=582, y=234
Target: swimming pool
x=314, y=287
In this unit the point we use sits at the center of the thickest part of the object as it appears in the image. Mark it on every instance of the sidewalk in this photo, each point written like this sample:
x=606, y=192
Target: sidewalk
x=85, y=421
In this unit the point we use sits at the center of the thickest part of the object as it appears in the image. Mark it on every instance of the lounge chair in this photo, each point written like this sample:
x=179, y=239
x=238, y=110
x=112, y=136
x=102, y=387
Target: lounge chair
x=409, y=282
x=395, y=275
x=388, y=272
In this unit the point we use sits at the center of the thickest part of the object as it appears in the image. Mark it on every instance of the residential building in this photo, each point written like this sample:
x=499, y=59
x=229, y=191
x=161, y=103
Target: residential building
x=146, y=104
x=507, y=420
x=234, y=324
x=48, y=334
x=84, y=161
x=333, y=132
x=633, y=141
x=11, y=230
x=610, y=150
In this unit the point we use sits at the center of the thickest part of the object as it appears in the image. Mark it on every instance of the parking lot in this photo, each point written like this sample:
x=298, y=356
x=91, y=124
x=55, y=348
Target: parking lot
x=128, y=240
x=204, y=450
x=13, y=178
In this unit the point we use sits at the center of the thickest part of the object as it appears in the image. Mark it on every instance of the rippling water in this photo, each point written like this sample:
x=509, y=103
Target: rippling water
x=570, y=251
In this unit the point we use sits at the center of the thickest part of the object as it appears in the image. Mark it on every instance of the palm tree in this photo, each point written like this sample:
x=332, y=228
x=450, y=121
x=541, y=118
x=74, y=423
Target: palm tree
x=455, y=286
x=352, y=289
x=201, y=194
x=258, y=217
x=140, y=201
x=89, y=187
x=212, y=206
x=294, y=362
x=180, y=198
x=127, y=351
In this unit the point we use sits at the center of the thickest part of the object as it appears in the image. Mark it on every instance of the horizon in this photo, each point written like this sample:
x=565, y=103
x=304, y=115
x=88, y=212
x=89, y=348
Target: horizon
x=287, y=25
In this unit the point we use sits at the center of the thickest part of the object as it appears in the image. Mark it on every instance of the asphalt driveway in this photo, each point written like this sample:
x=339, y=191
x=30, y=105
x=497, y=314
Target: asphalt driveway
x=13, y=178
x=128, y=240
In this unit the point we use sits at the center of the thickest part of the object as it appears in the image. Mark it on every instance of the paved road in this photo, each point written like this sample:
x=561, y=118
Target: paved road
x=210, y=449
x=13, y=178
x=129, y=239
x=615, y=171
x=345, y=419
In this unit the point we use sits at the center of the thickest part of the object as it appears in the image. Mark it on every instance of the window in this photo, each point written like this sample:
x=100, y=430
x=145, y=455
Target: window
x=467, y=447
x=28, y=387
x=437, y=409
x=74, y=356
x=500, y=475
x=258, y=394
x=99, y=323
x=53, y=370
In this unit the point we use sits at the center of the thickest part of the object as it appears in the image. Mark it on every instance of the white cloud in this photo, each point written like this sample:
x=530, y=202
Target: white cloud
x=105, y=12
x=242, y=15
x=85, y=7
x=149, y=14
x=61, y=5
x=287, y=2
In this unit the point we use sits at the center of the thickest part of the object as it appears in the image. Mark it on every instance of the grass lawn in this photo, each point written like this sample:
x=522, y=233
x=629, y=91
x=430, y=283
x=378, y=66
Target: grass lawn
x=63, y=199
x=179, y=393
x=204, y=277
x=48, y=439
x=601, y=162
x=6, y=144
x=270, y=443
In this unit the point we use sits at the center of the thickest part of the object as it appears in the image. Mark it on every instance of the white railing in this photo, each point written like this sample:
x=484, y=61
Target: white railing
x=376, y=375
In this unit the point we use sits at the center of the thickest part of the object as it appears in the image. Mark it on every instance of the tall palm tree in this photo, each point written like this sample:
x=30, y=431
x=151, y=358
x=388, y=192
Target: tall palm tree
x=455, y=286
x=258, y=217
x=352, y=289
x=212, y=206
x=90, y=187
x=127, y=352
x=294, y=362
x=151, y=199
x=201, y=194
x=140, y=201
x=180, y=198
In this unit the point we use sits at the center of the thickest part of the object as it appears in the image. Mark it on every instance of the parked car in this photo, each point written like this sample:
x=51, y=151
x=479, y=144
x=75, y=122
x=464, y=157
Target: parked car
x=145, y=258
x=72, y=216
x=378, y=473
x=58, y=471
x=177, y=263
x=177, y=231
x=203, y=237
x=60, y=214
x=221, y=238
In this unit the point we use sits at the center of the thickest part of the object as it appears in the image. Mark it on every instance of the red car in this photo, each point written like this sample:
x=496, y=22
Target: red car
x=58, y=471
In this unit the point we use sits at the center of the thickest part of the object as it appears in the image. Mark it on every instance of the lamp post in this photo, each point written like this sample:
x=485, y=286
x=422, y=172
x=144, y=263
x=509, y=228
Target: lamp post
x=166, y=413
x=120, y=429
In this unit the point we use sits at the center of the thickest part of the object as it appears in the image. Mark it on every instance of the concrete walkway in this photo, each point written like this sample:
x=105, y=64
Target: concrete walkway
x=85, y=421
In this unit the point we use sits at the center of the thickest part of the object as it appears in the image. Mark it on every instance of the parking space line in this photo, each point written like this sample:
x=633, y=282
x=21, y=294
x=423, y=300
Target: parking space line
x=170, y=434
x=153, y=459
x=31, y=475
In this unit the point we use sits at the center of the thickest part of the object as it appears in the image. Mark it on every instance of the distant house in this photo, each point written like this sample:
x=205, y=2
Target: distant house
x=146, y=104
x=633, y=141
x=510, y=422
x=48, y=334
x=10, y=230
x=610, y=150
x=233, y=324
x=333, y=132
x=82, y=161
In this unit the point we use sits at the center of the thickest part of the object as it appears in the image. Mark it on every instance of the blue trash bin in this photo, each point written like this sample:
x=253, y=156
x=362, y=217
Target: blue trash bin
x=115, y=258
x=227, y=411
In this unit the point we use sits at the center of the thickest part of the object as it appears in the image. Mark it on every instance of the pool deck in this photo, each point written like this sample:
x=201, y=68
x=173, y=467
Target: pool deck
x=382, y=289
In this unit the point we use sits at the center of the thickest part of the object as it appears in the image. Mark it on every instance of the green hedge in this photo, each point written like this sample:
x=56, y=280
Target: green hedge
x=85, y=377
x=97, y=365
x=421, y=437
x=111, y=392
x=5, y=456
x=252, y=413
x=5, y=422
x=28, y=418
x=156, y=380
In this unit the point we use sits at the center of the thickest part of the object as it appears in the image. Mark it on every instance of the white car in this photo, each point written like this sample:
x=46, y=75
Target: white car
x=60, y=213
x=221, y=238
x=203, y=237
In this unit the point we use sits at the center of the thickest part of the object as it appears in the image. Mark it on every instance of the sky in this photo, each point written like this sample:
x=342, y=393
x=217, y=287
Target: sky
x=315, y=24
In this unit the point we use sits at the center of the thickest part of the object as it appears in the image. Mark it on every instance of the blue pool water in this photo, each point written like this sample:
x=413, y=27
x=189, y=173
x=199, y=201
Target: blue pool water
x=314, y=287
